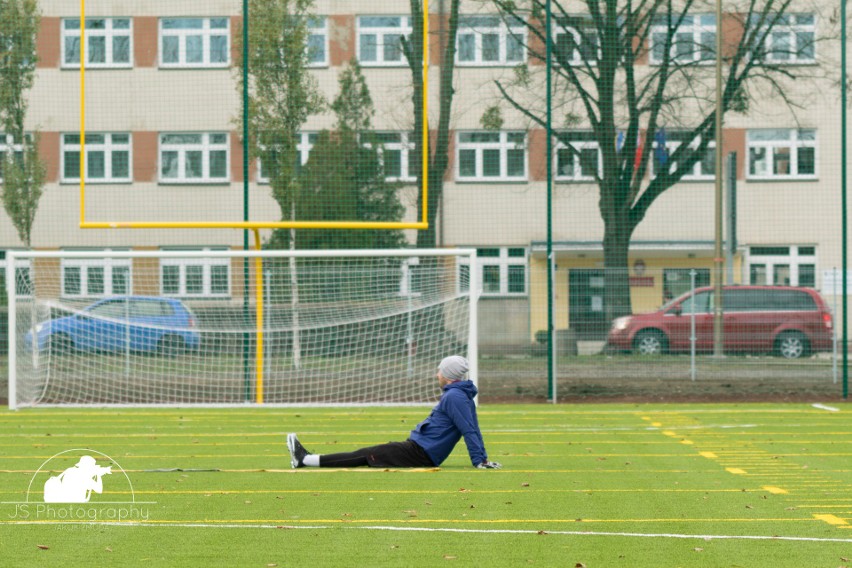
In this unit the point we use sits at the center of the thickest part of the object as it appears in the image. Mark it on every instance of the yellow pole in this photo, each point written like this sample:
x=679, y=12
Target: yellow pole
x=258, y=277
x=424, y=219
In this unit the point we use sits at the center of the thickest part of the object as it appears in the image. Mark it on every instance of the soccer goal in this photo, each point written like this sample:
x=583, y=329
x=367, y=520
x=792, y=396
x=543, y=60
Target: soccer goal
x=358, y=327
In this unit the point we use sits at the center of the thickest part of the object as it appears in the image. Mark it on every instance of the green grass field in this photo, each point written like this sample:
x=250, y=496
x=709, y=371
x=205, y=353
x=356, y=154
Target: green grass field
x=582, y=485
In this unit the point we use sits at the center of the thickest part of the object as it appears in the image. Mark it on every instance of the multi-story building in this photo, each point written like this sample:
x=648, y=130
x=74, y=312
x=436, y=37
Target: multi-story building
x=163, y=143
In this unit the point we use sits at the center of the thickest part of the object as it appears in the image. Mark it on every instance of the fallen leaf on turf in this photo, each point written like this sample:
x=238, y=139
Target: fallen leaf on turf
x=463, y=490
x=108, y=549
x=448, y=557
x=697, y=549
x=542, y=532
x=844, y=559
x=43, y=547
x=272, y=565
x=749, y=507
x=579, y=565
x=525, y=484
x=473, y=506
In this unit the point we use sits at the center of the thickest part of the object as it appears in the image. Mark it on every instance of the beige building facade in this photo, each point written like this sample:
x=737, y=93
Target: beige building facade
x=163, y=87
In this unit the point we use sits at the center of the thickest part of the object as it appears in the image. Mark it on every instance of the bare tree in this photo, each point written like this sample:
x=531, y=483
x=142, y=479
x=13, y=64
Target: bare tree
x=439, y=157
x=622, y=70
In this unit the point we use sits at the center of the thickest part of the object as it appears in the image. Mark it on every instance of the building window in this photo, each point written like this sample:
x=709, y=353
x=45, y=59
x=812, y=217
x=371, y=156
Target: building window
x=195, y=277
x=90, y=277
x=576, y=41
x=491, y=156
x=678, y=281
x=379, y=39
x=395, y=151
x=489, y=40
x=23, y=278
x=318, y=41
x=7, y=145
x=304, y=144
x=107, y=157
x=502, y=271
x=194, y=42
x=108, y=42
x=577, y=157
x=782, y=265
x=194, y=158
x=703, y=169
x=694, y=40
x=792, y=39
x=781, y=153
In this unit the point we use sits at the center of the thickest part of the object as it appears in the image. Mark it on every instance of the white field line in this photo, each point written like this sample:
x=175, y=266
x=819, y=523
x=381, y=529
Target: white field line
x=705, y=537
x=824, y=407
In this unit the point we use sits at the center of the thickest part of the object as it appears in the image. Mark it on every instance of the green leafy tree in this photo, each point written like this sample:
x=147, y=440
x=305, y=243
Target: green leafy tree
x=603, y=83
x=344, y=178
x=282, y=92
x=21, y=169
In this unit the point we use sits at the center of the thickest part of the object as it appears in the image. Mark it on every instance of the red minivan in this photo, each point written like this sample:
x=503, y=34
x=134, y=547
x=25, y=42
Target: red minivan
x=790, y=322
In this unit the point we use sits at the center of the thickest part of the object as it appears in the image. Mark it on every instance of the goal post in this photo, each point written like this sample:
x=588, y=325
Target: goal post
x=178, y=327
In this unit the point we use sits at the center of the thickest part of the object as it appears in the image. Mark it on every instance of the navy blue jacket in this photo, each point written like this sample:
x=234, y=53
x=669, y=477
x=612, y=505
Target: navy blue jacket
x=453, y=417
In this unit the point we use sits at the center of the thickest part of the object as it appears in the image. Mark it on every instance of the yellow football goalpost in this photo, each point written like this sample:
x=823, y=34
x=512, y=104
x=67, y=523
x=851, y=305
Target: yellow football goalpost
x=255, y=226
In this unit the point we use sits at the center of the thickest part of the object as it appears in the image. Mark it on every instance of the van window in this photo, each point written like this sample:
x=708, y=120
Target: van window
x=701, y=302
x=793, y=300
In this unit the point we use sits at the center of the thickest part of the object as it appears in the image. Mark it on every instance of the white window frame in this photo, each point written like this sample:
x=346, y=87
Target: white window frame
x=304, y=145
x=206, y=264
x=21, y=266
x=578, y=44
x=405, y=147
x=502, y=264
x=761, y=139
x=318, y=33
x=381, y=33
x=205, y=146
x=671, y=147
x=109, y=146
x=109, y=266
x=792, y=26
x=6, y=144
x=691, y=33
x=206, y=32
x=503, y=145
x=475, y=28
x=109, y=33
x=794, y=260
x=577, y=173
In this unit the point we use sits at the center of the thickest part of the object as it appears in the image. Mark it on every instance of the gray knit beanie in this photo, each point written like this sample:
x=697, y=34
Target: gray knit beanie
x=453, y=367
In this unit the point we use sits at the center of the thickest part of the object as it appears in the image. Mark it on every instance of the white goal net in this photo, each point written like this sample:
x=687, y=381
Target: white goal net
x=235, y=327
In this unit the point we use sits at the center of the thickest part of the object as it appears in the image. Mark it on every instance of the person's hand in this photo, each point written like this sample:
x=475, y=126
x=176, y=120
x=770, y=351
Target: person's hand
x=489, y=465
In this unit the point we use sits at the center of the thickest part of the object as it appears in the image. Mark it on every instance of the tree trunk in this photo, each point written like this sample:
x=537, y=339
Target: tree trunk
x=616, y=246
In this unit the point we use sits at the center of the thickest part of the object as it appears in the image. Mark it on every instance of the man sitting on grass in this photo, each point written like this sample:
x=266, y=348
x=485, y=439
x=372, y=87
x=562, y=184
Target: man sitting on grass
x=430, y=442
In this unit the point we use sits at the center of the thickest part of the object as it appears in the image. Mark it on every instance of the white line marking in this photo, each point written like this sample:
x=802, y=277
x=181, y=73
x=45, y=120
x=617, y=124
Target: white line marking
x=824, y=407
x=447, y=530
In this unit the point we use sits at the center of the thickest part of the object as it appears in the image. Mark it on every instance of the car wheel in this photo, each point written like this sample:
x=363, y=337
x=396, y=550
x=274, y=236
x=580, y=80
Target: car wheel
x=792, y=345
x=650, y=342
x=60, y=343
x=171, y=346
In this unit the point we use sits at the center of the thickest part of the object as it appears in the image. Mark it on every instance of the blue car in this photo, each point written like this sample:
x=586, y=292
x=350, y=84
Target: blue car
x=148, y=324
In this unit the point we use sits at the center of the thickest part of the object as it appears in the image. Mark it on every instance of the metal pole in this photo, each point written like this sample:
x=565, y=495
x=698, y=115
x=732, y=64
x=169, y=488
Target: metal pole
x=551, y=339
x=843, y=171
x=246, y=246
x=692, y=337
x=719, y=257
x=834, y=327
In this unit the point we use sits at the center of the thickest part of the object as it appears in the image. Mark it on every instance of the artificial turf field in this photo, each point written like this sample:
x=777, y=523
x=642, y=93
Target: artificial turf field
x=582, y=485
